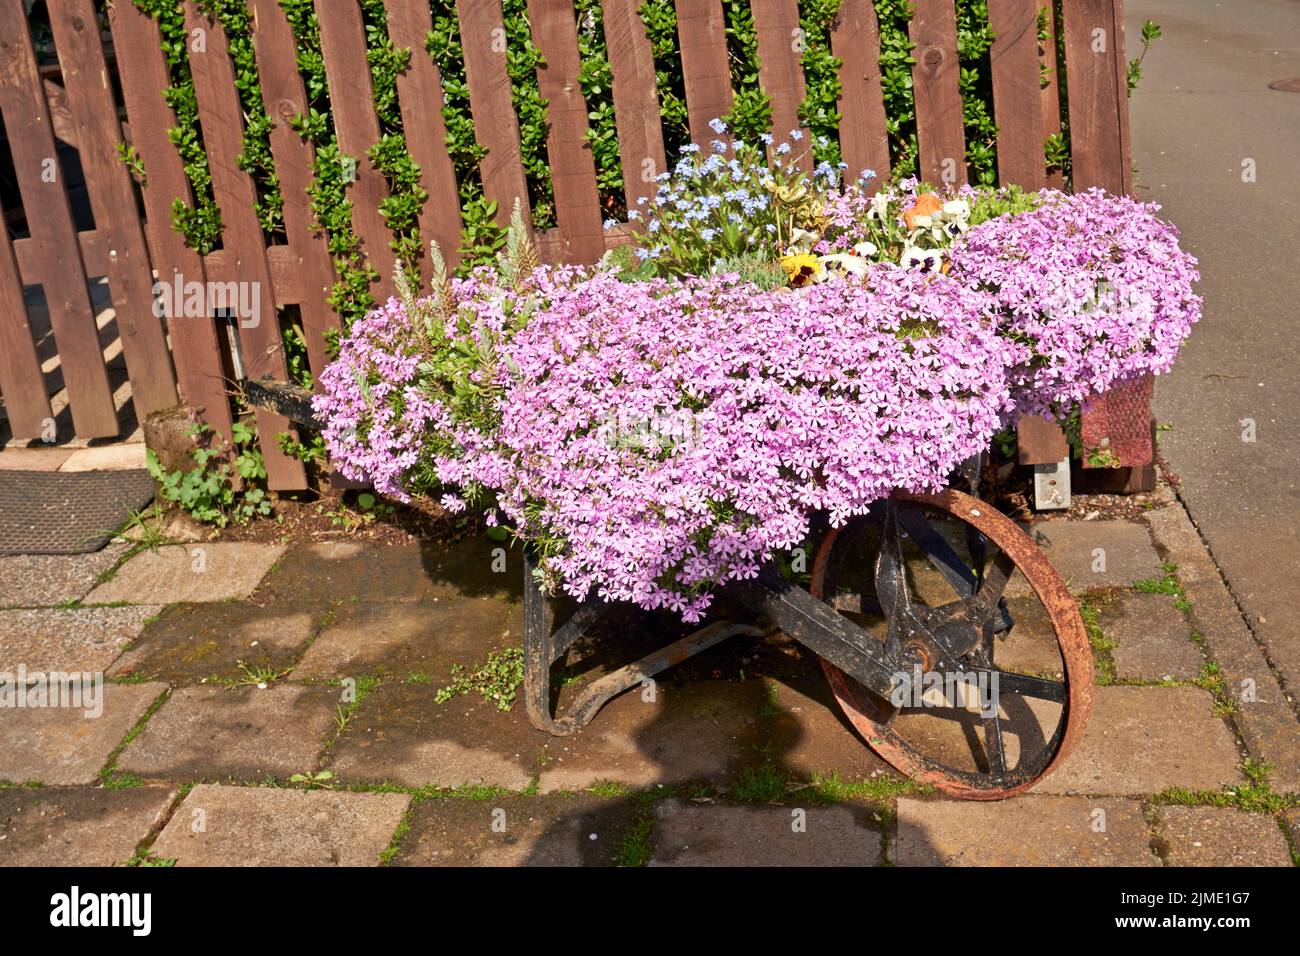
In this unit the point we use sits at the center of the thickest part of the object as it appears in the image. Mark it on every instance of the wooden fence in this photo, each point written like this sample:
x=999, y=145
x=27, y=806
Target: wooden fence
x=133, y=240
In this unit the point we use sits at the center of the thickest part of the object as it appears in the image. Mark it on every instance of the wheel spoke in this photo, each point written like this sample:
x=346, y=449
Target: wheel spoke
x=993, y=744
x=891, y=572
x=936, y=547
x=1025, y=686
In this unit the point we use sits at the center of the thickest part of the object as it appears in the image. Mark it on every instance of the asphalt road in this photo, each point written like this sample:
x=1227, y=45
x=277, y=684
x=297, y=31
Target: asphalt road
x=1203, y=118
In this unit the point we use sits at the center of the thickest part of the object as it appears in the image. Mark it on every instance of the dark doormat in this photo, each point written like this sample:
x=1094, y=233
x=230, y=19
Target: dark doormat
x=45, y=512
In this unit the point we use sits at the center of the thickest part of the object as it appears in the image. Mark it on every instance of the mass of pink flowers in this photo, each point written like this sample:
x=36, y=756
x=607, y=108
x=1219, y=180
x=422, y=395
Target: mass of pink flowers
x=657, y=438
x=1093, y=287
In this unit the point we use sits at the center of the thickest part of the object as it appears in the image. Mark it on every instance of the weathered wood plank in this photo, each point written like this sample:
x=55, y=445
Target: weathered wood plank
x=702, y=39
x=864, y=137
x=573, y=170
x=419, y=93
x=1017, y=98
x=308, y=251
x=49, y=217
x=496, y=127
x=636, y=99
x=22, y=386
x=196, y=348
x=343, y=44
x=780, y=73
x=940, y=130
x=241, y=236
x=93, y=111
x=1098, y=97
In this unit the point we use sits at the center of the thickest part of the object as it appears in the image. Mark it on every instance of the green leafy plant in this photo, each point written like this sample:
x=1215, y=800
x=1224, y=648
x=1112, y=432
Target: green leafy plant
x=1150, y=33
x=497, y=680
x=314, y=780
x=228, y=484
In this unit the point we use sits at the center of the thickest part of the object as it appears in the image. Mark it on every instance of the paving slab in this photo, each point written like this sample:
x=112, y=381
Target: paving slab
x=394, y=572
x=211, y=571
x=811, y=737
x=1265, y=718
x=42, y=580
x=428, y=637
x=82, y=640
x=1153, y=639
x=239, y=733
x=193, y=643
x=704, y=731
x=401, y=735
x=116, y=457
x=1022, y=831
x=714, y=834
x=33, y=459
x=1030, y=647
x=263, y=826
x=1142, y=740
x=82, y=826
x=1221, y=836
x=578, y=829
x=61, y=745
x=1093, y=554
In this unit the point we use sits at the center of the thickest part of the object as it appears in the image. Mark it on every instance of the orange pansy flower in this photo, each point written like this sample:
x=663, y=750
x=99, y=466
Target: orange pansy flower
x=927, y=204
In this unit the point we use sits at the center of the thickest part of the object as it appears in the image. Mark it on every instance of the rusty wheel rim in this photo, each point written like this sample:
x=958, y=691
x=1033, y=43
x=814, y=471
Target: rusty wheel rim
x=873, y=716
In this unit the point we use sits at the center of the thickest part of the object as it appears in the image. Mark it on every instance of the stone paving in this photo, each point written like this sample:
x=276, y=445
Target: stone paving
x=272, y=704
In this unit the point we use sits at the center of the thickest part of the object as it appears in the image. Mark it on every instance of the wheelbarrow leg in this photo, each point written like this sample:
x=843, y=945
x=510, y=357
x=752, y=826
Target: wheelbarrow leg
x=544, y=645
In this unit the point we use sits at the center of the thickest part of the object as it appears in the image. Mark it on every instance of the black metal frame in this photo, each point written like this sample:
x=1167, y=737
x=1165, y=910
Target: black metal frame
x=785, y=605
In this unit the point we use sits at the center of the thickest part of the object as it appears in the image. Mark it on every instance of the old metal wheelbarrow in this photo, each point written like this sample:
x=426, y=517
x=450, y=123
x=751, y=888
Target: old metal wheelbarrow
x=914, y=590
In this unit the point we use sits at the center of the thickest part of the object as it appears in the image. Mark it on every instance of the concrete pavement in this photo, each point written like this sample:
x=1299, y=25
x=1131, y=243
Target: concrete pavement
x=1204, y=120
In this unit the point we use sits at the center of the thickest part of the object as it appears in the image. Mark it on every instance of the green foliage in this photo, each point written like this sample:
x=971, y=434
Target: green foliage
x=660, y=19
x=209, y=492
x=751, y=108
x=819, y=111
x=896, y=62
x=596, y=81
x=1150, y=34
x=497, y=680
x=198, y=220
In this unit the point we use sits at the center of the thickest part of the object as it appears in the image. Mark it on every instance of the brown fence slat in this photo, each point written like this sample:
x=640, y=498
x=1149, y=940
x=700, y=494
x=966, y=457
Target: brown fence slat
x=196, y=347
x=1017, y=104
x=221, y=117
x=1017, y=100
x=93, y=111
x=780, y=73
x=940, y=129
x=496, y=128
x=343, y=43
x=1050, y=88
x=864, y=137
x=308, y=250
x=636, y=99
x=94, y=255
x=49, y=217
x=573, y=170
x=1098, y=98
x=419, y=93
x=22, y=386
x=702, y=38
x=1100, y=156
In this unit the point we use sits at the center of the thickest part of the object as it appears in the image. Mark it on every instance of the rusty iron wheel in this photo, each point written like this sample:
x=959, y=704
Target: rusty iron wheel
x=959, y=636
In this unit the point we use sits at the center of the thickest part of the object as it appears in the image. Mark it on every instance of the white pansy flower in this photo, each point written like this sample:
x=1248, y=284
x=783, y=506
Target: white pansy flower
x=866, y=249
x=956, y=209
x=843, y=264
x=923, y=260
x=879, y=206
